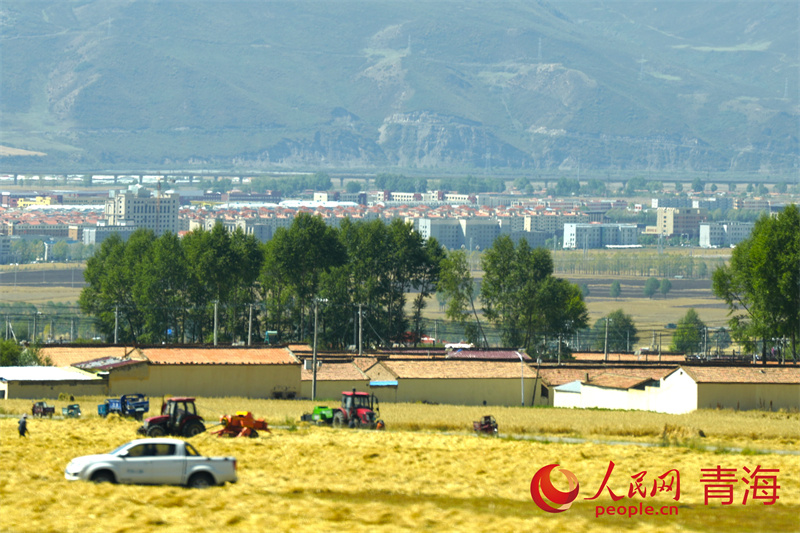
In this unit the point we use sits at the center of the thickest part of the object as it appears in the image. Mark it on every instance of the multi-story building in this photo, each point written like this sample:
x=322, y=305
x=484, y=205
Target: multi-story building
x=674, y=221
x=445, y=230
x=724, y=234
x=712, y=204
x=98, y=234
x=137, y=207
x=577, y=236
x=5, y=250
x=479, y=233
x=679, y=202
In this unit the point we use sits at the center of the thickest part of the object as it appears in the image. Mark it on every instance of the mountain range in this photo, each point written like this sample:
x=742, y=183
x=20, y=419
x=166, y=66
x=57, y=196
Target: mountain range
x=408, y=86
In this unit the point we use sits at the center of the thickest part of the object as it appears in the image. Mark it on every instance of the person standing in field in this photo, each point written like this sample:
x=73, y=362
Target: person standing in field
x=23, y=425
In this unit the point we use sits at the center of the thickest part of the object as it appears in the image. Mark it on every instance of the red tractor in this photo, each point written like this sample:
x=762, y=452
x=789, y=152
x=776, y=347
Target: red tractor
x=178, y=417
x=358, y=410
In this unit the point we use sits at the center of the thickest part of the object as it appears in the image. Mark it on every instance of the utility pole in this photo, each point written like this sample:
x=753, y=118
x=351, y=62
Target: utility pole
x=216, y=304
x=360, y=342
x=116, y=324
x=314, y=354
x=659, y=347
x=559, y=349
x=605, y=344
x=250, y=327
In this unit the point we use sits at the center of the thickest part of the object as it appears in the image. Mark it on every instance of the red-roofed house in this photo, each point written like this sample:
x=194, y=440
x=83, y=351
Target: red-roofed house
x=213, y=371
x=190, y=371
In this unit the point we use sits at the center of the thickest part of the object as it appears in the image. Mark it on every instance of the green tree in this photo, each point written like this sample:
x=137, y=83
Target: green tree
x=650, y=287
x=304, y=252
x=427, y=277
x=622, y=332
x=761, y=284
x=664, y=287
x=352, y=187
x=500, y=288
x=698, y=185
x=456, y=283
x=720, y=339
x=111, y=276
x=59, y=251
x=10, y=353
x=616, y=289
x=689, y=335
x=585, y=290
x=781, y=187
x=163, y=286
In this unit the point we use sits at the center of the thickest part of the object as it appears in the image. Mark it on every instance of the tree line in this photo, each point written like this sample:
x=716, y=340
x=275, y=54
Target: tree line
x=164, y=289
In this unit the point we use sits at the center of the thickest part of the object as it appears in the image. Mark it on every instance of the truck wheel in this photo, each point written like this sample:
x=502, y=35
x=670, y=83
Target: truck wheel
x=156, y=431
x=103, y=476
x=192, y=429
x=201, y=480
x=338, y=420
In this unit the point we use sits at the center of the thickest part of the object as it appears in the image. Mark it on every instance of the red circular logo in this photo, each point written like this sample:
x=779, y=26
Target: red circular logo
x=542, y=488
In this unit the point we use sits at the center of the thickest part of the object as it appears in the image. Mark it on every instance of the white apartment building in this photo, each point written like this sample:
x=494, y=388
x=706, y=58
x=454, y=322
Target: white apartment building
x=479, y=233
x=445, y=230
x=137, y=207
x=724, y=234
x=579, y=236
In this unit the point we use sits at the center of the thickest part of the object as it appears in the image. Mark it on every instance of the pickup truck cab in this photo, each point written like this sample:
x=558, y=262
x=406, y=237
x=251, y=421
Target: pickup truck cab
x=154, y=462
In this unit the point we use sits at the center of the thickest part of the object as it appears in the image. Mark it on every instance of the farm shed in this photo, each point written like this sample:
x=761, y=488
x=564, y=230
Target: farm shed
x=567, y=395
x=711, y=387
x=457, y=382
x=66, y=355
x=332, y=379
x=556, y=376
x=231, y=371
x=47, y=382
x=618, y=391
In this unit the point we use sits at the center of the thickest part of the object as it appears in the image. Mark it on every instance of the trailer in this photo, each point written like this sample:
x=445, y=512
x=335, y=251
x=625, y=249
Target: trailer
x=132, y=405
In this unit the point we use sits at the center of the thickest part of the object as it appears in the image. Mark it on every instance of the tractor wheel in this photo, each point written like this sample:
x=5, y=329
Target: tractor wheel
x=201, y=480
x=193, y=428
x=156, y=431
x=338, y=420
x=253, y=434
x=103, y=476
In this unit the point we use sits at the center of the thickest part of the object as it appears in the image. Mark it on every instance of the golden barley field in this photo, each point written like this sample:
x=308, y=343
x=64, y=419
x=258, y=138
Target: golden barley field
x=426, y=472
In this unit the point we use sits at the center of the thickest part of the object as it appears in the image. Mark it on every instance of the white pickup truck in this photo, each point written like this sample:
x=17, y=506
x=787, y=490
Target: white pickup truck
x=154, y=462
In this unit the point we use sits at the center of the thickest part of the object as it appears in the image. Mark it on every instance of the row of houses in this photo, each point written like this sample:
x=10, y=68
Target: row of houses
x=463, y=378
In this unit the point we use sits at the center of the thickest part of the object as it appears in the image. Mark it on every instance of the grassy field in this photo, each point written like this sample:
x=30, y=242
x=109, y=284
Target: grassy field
x=412, y=477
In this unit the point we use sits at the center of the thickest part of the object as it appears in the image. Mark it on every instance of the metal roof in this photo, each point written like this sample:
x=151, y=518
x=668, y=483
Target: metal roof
x=572, y=386
x=43, y=373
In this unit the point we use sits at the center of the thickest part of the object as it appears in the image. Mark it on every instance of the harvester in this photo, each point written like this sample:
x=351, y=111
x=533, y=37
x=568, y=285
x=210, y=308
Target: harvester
x=358, y=410
x=242, y=424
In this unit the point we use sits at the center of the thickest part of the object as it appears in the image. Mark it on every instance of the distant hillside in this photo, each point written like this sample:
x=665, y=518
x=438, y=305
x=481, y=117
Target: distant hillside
x=446, y=86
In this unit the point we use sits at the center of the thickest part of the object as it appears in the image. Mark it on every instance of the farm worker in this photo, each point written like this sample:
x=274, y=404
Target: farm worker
x=23, y=425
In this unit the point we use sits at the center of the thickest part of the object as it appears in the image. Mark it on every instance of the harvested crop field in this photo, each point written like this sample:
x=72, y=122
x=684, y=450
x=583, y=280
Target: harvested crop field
x=427, y=472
